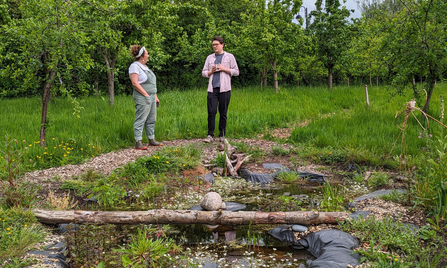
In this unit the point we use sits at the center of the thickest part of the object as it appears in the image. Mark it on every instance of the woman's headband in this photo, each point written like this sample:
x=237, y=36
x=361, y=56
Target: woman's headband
x=141, y=51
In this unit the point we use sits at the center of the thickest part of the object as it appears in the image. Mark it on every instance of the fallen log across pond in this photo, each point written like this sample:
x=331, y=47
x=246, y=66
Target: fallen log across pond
x=163, y=216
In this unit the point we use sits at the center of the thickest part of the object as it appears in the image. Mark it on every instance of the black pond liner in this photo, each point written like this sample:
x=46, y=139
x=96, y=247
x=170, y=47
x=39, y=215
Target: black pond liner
x=255, y=177
x=267, y=177
x=230, y=206
x=53, y=256
x=311, y=177
x=331, y=248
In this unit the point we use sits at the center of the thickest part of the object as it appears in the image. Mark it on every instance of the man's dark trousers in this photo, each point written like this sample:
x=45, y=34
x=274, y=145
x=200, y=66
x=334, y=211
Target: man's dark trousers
x=221, y=100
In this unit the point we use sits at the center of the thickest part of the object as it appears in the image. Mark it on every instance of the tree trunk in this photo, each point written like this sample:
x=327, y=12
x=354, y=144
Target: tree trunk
x=377, y=80
x=162, y=216
x=45, y=100
x=110, y=58
x=96, y=82
x=275, y=76
x=264, y=77
x=429, y=92
x=348, y=81
x=329, y=79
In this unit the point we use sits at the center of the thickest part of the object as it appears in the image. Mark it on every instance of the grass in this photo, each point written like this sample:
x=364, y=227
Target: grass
x=393, y=244
x=19, y=231
x=340, y=128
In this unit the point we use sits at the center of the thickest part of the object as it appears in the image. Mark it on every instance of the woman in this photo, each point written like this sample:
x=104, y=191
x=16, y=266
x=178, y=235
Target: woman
x=145, y=96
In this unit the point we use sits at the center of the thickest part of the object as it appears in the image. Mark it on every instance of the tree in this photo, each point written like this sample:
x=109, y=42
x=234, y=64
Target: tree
x=270, y=32
x=369, y=7
x=416, y=39
x=52, y=45
x=332, y=33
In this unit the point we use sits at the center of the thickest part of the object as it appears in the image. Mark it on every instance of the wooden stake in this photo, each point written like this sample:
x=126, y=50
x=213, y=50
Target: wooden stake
x=367, y=97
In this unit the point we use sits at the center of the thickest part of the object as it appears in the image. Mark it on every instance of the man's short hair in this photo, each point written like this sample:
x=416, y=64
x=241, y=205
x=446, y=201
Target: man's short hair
x=218, y=38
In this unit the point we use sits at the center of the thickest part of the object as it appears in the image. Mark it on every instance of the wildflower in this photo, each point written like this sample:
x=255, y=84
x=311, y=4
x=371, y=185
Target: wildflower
x=30, y=145
x=167, y=162
x=26, y=225
x=54, y=138
x=7, y=229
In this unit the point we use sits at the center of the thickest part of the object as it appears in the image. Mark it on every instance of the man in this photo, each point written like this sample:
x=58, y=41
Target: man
x=219, y=68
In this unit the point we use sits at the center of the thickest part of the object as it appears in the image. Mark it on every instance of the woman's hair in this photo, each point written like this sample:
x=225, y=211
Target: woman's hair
x=134, y=50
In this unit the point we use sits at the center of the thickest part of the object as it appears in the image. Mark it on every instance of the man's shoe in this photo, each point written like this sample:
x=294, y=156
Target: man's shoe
x=140, y=146
x=208, y=139
x=221, y=139
x=152, y=142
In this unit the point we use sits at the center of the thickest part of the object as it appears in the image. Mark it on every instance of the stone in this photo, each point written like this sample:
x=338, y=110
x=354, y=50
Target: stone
x=224, y=206
x=220, y=171
x=211, y=202
x=299, y=228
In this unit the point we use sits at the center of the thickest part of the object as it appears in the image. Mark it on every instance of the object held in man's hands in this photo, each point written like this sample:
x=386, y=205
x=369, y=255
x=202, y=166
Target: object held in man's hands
x=158, y=104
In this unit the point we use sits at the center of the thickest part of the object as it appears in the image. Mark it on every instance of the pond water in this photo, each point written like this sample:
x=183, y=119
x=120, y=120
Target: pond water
x=246, y=246
x=217, y=246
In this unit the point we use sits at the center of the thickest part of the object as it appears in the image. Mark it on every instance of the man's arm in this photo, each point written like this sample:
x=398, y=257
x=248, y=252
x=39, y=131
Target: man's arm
x=233, y=70
x=205, y=71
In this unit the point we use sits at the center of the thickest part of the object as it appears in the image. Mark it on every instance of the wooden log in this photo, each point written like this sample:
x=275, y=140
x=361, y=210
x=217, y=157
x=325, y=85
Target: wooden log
x=228, y=148
x=239, y=163
x=162, y=216
x=230, y=167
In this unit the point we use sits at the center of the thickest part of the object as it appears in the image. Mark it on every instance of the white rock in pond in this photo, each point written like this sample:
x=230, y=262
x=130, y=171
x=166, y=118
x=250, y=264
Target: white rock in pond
x=224, y=206
x=211, y=202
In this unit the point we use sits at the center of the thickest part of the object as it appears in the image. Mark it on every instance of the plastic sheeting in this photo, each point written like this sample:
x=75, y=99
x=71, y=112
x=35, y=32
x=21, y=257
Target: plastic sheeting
x=331, y=248
x=284, y=234
x=254, y=177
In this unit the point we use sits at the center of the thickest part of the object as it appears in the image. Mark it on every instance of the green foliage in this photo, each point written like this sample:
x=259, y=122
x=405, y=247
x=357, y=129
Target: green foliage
x=109, y=196
x=19, y=230
x=90, y=244
x=288, y=177
x=402, y=244
x=257, y=153
x=332, y=199
x=331, y=33
x=186, y=157
x=278, y=150
x=430, y=189
x=394, y=196
x=13, y=160
x=378, y=179
x=283, y=203
x=413, y=45
x=220, y=160
x=15, y=192
x=144, y=251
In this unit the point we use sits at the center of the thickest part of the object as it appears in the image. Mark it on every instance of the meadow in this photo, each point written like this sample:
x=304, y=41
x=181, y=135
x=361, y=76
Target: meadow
x=336, y=126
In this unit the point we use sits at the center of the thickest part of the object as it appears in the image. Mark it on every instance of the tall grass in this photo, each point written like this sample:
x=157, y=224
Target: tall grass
x=335, y=121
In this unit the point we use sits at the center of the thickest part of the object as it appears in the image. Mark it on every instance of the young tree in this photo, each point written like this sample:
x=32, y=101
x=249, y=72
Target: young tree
x=416, y=39
x=51, y=44
x=269, y=31
x=331, y=33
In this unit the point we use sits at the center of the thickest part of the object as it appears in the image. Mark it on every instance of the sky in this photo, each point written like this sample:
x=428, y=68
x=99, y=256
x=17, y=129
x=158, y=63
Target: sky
x=350, y=4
